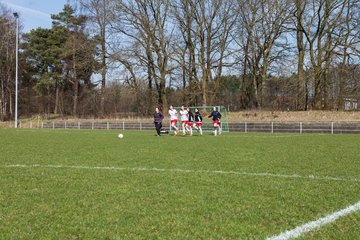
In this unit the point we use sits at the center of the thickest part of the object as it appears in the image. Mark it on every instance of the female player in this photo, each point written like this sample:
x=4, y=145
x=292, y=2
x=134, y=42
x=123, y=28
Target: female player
x=190, y=121
x=173, y=119
x=216, y=116
x=158, y=117
x=184, y=118
x=198, y=121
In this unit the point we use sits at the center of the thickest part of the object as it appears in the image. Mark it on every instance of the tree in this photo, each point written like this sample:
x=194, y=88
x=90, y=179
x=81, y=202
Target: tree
x=78, y=51
x=99, y=12
x=145, y=22
x=301, y=47
x=62, y=59
x=323, y=20
x=7, y=62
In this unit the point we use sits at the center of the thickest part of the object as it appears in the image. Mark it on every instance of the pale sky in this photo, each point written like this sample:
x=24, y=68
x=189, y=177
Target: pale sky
x=35, y=13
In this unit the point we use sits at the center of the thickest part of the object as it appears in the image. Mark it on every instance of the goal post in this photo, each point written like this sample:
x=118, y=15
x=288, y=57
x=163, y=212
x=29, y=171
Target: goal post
x=207, y=122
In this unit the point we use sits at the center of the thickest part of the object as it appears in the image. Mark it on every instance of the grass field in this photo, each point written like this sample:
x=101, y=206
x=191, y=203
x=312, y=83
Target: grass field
x=61, y=184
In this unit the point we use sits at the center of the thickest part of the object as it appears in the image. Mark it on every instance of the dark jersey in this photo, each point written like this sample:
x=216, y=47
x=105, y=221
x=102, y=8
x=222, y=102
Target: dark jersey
x=158, y=117
x=198, y=117
x=191, y=117
x=215, y=115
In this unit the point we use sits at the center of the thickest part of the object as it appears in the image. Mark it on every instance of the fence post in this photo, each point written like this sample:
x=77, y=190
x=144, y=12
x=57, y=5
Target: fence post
x=332, y=127
x=246, y=127
x=92, y=125
x=123, y=126
x=140, y=126
x=272, y=127
x=42, y=124
x=53, y=125
x=301, y=128
x=65, y=125
x=79, y=125
x=107, y=125
x=30, y=124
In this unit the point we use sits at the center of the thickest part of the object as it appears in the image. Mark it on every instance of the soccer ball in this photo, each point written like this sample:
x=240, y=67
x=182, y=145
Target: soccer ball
x=120, y=135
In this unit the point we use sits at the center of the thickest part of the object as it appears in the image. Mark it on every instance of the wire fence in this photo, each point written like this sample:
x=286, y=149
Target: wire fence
x=245, y=127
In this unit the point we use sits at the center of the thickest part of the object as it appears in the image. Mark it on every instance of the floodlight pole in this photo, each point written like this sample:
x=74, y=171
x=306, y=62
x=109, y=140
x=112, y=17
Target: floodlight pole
x=16, y=15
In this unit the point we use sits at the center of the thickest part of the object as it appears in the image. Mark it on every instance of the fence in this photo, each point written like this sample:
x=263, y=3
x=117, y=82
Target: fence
x=246, y=127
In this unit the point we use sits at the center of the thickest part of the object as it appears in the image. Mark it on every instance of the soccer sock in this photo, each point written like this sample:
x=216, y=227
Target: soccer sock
x=183, y=131
x=200, y=130
x=190, y=131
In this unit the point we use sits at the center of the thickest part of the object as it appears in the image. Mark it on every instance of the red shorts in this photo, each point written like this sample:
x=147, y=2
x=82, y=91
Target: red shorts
x=190, y=124
x=216, y=123
x=173, y=121
x=184, y=122
x=199, y=124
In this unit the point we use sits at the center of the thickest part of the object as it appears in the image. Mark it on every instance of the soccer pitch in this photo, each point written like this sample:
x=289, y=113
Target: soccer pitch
x=79, y=184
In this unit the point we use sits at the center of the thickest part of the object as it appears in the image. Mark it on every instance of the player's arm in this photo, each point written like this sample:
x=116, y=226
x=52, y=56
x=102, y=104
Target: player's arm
x=211, y=114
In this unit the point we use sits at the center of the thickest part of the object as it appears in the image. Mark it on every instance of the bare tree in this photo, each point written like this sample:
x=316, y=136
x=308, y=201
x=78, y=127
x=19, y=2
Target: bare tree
x=349, y=40
x=185, y=49
x=100, y=13
x=7, y=62
x=204, y=27
x=322, y=17
x=264, y=23
x=146, y=23
x=301, y=90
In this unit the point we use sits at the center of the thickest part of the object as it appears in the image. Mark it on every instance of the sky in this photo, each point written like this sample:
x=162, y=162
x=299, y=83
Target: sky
x=35, y=13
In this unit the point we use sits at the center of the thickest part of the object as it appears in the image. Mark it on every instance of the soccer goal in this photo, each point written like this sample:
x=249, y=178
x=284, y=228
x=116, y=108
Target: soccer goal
x=207, y=122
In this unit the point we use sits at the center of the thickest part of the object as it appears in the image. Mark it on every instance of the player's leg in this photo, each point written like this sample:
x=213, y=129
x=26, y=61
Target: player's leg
x=157, y=127
x=215, y=128
x=174, y=128
x=183, y=128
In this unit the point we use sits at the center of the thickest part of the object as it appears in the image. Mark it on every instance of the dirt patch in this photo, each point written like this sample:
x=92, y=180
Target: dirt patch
x=321, y=116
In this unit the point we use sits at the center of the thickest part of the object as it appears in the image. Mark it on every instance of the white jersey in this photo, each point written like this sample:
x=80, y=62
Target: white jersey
x=184, y=115
x=173, y=114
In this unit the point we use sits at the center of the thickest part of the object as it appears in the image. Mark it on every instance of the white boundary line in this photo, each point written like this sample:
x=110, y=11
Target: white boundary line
x=300, y=230
x=145, y=169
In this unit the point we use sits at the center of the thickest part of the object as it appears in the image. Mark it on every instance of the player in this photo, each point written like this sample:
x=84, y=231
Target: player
x=173, y=119
x=184, y=118
x=190, y=122
x=158, y=117
x=216, y=116
x=198, y=121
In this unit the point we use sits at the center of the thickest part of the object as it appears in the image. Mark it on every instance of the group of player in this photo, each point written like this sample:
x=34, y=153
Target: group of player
x=188, y=121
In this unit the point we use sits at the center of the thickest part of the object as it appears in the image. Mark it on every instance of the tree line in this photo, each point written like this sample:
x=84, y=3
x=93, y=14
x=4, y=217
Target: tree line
x=106, y=57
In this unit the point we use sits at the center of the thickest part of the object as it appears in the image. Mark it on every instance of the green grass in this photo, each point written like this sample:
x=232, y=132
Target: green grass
x=160, y=201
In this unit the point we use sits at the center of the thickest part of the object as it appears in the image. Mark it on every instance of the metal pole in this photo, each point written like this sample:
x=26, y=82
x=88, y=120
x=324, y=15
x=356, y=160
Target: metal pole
x=16, y=15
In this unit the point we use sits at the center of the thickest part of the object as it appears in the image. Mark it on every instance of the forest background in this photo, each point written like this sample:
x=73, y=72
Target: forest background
x=109, y=58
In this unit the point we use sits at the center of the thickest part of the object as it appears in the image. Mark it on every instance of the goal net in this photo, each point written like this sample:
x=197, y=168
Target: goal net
x=207, y=122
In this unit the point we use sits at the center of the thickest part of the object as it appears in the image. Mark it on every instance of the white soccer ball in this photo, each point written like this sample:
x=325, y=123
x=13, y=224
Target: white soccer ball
x=120, y=135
